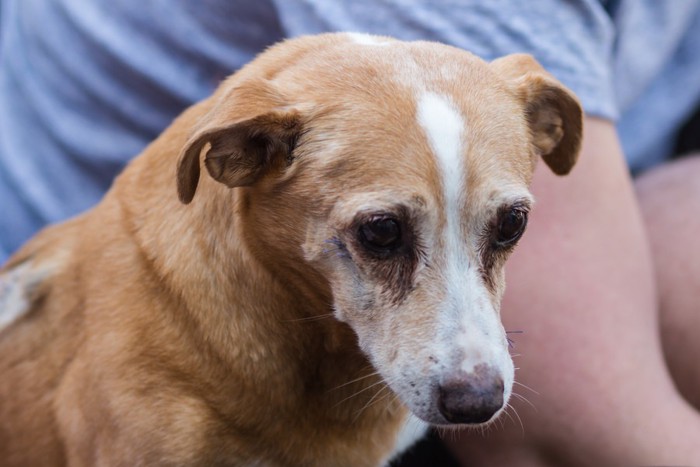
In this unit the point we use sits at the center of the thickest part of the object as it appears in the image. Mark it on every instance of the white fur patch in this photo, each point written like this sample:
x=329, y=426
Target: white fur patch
x=366, y=39
x=480, y=329
x=413, y=429
x=14, y=301
x=19, y=284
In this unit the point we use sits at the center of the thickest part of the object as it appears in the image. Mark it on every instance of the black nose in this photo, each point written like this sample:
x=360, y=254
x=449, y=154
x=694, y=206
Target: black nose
x=471, y=397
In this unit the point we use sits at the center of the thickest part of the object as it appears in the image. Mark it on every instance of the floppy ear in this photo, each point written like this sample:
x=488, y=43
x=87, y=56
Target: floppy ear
x=238, y=153
x=552, y=111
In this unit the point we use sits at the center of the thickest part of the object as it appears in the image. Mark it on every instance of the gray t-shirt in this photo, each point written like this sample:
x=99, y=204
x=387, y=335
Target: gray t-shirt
x=85, y=85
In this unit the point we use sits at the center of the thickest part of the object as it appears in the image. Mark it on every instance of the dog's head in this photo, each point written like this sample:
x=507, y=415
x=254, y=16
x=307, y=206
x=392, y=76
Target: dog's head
x=394, y=175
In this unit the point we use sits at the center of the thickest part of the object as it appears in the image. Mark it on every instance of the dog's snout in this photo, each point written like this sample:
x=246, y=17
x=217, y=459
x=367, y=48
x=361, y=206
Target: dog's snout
x=471, y=397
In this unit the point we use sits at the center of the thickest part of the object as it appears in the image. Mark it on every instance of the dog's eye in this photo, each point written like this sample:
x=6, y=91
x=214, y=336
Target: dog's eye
x=510, y=226
x=380, y=234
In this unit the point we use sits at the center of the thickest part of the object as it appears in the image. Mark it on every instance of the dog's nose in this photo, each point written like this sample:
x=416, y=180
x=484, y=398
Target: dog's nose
x=471, y=397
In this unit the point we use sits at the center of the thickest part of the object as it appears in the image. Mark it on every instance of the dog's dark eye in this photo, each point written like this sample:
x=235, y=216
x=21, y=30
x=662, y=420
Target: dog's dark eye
x=510, y=226
x=381, y=234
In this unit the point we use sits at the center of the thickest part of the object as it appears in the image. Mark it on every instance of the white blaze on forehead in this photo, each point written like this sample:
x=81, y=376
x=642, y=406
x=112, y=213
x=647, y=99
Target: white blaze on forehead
x=443, y=125
x=366, y=39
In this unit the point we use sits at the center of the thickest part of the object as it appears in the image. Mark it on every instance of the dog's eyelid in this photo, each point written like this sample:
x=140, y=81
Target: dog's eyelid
x=520, y=204
x=401, y=213
x=375, y=216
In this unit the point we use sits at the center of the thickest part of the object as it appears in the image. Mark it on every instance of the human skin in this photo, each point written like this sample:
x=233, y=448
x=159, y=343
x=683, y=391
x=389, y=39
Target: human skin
x=670, y=200
x=583, y=289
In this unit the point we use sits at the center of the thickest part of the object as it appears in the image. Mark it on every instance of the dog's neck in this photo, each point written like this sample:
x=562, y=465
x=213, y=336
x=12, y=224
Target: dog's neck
x=243, y=301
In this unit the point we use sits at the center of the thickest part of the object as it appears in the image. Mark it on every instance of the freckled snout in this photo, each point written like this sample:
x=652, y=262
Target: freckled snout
x=471, y=397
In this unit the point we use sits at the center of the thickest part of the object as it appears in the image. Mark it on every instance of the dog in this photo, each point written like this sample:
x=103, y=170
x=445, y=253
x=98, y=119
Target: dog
x=298, y=268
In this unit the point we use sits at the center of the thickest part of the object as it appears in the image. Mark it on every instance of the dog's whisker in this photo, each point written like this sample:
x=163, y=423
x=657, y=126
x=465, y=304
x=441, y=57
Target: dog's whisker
x=486, y=428
x=387, y=392
x=524, y=399
x=443, y=432
x=453, y=434
x=360, y=392
x=526, y=387
x=309, y=318
x=374, y=373
x=515, y=412
x=387, y=395
x=369, y=403
x=502, y=422
x=508, y=414
x=395, y=398
x=515, y=332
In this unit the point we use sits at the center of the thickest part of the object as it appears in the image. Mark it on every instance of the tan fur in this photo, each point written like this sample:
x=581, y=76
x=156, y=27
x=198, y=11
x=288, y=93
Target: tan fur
x=202, y=333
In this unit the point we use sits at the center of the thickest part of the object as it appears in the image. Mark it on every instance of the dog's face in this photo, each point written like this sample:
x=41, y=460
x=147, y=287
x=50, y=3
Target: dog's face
x=398, y=173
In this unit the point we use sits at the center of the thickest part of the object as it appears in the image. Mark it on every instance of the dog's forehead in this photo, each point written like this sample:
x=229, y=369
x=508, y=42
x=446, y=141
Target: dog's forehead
x=435, y=114
x=359, y=64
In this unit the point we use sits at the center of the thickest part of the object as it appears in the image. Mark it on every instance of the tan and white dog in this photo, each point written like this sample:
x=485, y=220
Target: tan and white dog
x=333, y=263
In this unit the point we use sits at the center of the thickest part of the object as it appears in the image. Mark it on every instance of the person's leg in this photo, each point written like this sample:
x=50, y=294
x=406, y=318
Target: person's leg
x=581, y=288
x=670, y=201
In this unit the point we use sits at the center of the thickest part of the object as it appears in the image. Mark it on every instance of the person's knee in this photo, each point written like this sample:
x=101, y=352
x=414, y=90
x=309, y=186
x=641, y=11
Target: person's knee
x=673, y=179
x=669, y=195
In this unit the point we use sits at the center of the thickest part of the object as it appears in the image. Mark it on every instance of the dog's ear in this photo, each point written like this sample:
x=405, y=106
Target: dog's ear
x=247, y=131
x=552, y=111
x=237, y=154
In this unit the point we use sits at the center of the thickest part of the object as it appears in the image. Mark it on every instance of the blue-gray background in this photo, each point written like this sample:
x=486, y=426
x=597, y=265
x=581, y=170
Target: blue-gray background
x=86, y=84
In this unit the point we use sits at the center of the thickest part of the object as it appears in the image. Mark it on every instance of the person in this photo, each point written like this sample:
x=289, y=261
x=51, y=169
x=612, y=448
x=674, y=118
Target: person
x=603, y=284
